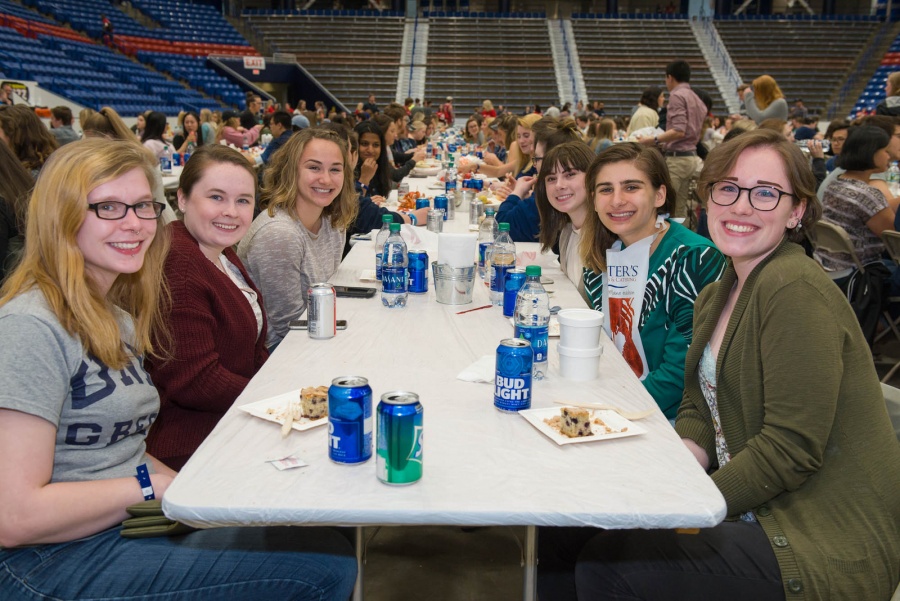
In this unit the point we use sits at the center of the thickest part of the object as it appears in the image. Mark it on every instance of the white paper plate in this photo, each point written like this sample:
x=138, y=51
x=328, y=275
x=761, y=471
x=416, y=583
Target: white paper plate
x=429, y=171
x=279, y=404
x=621, y=427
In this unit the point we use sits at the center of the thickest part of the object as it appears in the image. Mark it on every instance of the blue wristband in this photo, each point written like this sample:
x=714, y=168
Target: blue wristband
x=412, y=218
x=143, y=478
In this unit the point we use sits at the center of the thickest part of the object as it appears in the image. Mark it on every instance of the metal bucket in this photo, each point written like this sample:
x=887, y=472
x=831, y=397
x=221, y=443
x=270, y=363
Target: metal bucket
x=453, y=285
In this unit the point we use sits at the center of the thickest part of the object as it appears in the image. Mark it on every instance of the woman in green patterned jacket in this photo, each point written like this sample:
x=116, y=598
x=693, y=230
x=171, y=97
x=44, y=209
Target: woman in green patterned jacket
x=643, y=270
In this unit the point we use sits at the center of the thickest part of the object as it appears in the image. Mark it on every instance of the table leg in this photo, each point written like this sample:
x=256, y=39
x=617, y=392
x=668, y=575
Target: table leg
x=360, y=545
x=530, y=585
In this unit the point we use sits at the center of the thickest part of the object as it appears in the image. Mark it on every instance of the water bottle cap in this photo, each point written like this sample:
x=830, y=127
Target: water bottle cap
x=387, y=218
x=503, y=227
x=533, y=271
x=395, y=227
x=489, y=212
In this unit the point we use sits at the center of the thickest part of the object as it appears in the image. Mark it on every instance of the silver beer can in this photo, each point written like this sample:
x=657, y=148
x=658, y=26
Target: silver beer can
x=322, y=311
x=435, y=221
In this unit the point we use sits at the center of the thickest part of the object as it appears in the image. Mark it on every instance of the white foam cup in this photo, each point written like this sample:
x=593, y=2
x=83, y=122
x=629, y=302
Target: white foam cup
x=579, y=364
x=580, y=328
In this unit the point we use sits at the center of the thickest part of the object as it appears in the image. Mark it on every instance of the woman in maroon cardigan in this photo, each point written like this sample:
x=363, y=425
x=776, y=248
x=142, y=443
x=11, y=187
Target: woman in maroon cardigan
x=216, y=317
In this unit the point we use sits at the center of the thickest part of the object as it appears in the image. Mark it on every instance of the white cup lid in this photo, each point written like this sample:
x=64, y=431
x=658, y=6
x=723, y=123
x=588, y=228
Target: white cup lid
x=580, y=318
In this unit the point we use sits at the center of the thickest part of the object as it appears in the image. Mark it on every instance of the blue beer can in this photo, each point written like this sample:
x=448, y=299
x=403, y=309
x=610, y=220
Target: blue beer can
x=418, y=271
x=176, y=159
x=429, y=149
x=422, y=203
x=479, y=154
x=350, y=420
x=515, y=279
x=477, y=184
x=512, y=382
x=398, y=452
x=451, y=148
x=449, y=190
x=442, y=202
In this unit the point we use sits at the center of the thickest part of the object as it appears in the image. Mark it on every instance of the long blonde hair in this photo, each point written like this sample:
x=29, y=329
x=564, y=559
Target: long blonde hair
x=765, y=91
x=527, y=122
x=282, y=182
x=53, y=262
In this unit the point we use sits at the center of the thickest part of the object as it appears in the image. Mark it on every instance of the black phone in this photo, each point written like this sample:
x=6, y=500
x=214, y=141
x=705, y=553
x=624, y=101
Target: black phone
x=354, y=292
x=303, y=324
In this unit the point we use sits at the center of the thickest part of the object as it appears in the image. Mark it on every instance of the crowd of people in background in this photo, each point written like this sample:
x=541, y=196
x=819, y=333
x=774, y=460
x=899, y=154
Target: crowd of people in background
x=102, y=277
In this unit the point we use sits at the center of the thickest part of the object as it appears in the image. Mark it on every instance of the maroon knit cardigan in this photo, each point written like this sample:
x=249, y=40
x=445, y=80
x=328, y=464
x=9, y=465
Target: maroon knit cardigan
x=215, y=350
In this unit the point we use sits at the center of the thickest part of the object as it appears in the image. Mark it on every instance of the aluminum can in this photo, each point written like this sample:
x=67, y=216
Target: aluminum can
x=515, y=279
x=429, y=149
x=512, y=382
x=450, y=188
x=418, y=271
x=477, y=184
x=451, y=148
x=321, y=311
x=402, y=190
x=435, y=221
x=349, y=420
x=187, y=157
x=399, y=448
x=176, y=159
x=442, y=202
x=476, y=210
x=479, y=154
x=422, y=203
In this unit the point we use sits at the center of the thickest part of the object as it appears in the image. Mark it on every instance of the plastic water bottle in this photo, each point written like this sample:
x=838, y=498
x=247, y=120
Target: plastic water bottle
x=394, y=283
x=487, y=231
x=503, y=258
x=165, y=161
x=450, y=187
x=894, y=173
x=191, y=147
x=533, y=318
x=380, y=239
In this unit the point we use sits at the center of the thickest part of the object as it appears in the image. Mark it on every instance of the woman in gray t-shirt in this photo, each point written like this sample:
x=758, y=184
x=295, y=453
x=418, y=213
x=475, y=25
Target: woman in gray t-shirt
x=76, y=405
x=299, y=239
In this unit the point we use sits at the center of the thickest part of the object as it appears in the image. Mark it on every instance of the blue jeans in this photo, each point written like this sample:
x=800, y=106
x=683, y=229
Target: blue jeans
x=225, y=563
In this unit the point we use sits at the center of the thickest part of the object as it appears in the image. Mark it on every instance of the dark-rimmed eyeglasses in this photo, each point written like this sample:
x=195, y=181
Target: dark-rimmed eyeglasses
x=762, y=198
x=113, y=209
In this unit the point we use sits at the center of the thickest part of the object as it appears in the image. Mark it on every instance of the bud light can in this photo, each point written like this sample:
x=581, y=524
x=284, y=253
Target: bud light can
x=422, y=203
x=429, y=149
x=515, y=279
x=322, y=312
x=450, y=188
x=451, y=148
x=477, y=184
x=176, y=159
x=512, y=382
x=349, y=420
x=442, y=202
x=399, y=449
x=418, y=271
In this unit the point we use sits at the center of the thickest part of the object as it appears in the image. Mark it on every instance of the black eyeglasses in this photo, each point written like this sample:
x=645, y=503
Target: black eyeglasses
x=112, y=209
x=762, y=198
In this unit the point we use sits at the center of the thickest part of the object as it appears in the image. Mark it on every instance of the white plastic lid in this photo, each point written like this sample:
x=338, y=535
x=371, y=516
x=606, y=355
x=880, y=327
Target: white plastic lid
x=580, y=352
x=580, y=318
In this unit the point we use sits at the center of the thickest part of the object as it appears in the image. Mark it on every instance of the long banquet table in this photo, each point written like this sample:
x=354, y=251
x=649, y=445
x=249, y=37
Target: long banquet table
x=481, y=466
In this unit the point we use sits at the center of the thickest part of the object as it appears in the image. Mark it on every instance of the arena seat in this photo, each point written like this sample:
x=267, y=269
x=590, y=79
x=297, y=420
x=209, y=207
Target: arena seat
x=808, y=59
x=618, y=63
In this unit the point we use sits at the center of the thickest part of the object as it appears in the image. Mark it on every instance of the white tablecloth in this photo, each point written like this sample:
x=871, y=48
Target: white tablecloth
x=481, y=466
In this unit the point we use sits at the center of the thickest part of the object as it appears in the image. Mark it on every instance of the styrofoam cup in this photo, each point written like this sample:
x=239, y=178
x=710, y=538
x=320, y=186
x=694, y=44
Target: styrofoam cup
x=580, y=328
x=579, y=364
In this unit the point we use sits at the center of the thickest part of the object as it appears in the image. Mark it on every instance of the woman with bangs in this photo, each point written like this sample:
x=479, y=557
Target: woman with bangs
x=765, y=100
x=76, y=320
x=298, y=240
x=562, y=202
x=472, y=133
x=649, y=317
x=782, y=407
x=216, y=314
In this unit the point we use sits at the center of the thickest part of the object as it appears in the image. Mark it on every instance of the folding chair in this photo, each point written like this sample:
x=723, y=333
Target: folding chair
x=834, y=238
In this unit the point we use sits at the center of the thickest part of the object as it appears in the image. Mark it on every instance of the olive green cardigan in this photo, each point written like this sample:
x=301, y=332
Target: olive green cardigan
x=813, y=451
